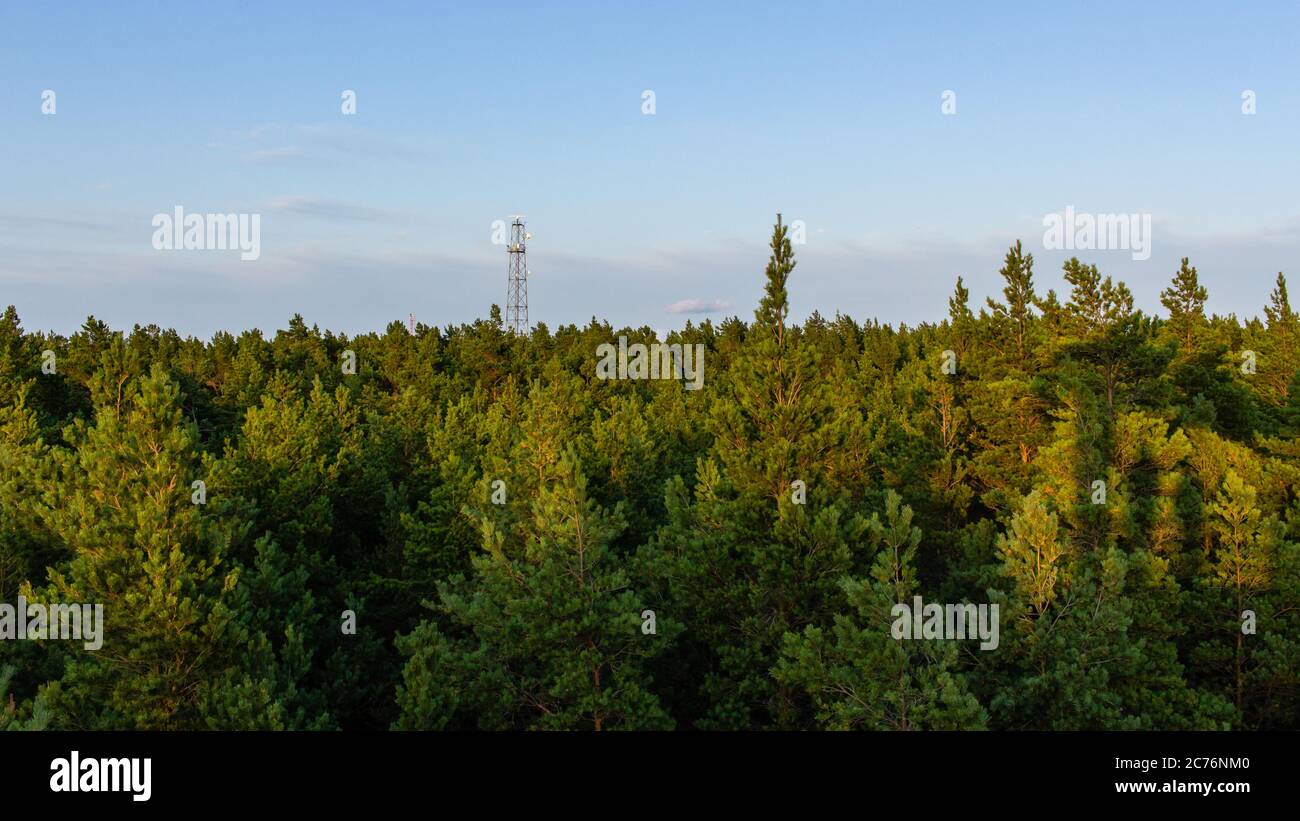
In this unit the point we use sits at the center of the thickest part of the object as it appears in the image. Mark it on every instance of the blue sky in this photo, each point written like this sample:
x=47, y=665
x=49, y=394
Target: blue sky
x=466, y=113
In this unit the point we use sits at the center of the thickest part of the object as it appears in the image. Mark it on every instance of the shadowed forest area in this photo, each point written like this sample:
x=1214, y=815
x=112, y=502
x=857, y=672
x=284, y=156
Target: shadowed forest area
x=499, y=521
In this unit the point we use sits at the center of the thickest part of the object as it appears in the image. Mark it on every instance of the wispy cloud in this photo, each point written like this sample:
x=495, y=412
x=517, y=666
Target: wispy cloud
x=328, y=209
x=698, y=306
x=39, y=221
x=314, y=143
x=276, y=155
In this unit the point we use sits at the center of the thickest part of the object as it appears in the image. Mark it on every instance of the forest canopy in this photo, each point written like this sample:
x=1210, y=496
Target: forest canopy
x=467, y=528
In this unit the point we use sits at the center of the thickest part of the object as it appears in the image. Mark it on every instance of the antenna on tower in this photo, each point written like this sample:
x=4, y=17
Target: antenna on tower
x=517, y=278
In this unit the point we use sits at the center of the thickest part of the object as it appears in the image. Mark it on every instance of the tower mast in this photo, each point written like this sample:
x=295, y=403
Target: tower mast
x=517, y=280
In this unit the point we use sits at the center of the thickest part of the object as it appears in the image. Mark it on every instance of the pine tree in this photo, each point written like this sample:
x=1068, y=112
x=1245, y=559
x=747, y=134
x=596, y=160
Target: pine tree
x=1016, y=316
x=961, y=318
x=775, y=305
x=1034, y=553
x=35, y=716
x=158, y=566
x=1185, y=301
x=780, y=430
x=1279, y=311
x=774, y=401
x=1280, y=352
x=1247, y=543
x=857, y=674
x=553, y=630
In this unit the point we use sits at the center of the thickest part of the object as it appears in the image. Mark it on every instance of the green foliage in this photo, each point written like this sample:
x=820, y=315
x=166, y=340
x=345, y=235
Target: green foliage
x=857, y=674
x=1185, y=302
x=547, y=634
x=473, y=531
